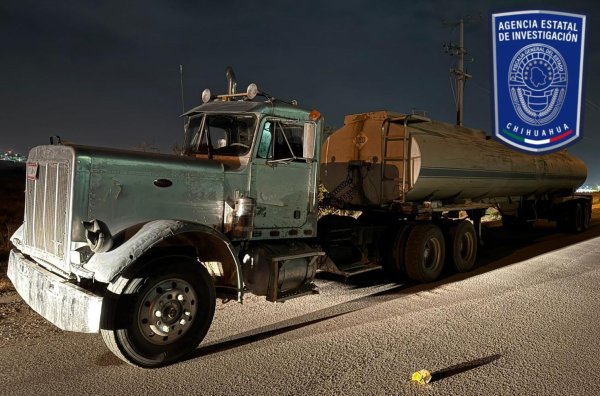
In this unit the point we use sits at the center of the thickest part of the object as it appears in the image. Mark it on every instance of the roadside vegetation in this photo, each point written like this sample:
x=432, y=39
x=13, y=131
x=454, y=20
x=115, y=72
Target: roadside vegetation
x=12, y=182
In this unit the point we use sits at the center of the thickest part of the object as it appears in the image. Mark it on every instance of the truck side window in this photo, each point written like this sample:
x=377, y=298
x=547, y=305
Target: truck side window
x=288, y=141
x=285, y=140
x=281, y=149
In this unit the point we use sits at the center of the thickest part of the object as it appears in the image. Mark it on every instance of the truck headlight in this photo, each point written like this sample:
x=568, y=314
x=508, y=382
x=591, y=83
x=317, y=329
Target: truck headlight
x=97, y=236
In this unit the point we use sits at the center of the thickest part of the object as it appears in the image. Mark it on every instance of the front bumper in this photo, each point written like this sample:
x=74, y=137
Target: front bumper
x=65, y=304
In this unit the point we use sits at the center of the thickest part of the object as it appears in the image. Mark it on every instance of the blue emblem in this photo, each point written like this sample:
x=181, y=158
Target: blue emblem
x=538, y=83
x=538, y=78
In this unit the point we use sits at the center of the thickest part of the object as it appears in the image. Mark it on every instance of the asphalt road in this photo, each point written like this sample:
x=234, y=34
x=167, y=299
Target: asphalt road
x=526, y=321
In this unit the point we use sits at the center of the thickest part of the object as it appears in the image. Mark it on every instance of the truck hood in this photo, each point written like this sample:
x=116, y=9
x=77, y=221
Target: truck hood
x=123, y=188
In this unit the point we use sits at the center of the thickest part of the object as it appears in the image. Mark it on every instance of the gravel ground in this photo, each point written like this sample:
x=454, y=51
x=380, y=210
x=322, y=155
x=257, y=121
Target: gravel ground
x=18, y=321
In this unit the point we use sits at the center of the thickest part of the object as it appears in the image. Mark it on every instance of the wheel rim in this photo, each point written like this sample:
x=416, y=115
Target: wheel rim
x=432, y=254
x=166, y=311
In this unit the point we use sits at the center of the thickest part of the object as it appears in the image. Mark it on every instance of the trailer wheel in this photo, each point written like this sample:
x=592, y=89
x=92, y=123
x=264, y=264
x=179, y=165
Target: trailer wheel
x=424, y=260
x=395, y=254
x=572, y=218
x=158, y=314
x=461, y=245
x=576, y=218
x=587, y=215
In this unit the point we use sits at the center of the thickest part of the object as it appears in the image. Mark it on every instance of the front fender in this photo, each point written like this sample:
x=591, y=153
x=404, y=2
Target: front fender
x=107, y=266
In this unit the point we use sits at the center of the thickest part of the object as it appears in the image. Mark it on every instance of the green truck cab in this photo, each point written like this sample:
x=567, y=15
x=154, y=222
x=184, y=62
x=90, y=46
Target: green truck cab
x=138, y=246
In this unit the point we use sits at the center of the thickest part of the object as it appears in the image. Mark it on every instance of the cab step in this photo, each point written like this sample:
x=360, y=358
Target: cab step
x=348, y=270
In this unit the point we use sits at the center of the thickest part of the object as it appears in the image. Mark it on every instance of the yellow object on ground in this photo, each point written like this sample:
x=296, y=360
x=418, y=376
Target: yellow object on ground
x=422, y=377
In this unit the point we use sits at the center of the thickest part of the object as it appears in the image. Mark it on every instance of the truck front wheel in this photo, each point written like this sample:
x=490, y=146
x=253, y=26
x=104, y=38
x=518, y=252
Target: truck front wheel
x=159, y=313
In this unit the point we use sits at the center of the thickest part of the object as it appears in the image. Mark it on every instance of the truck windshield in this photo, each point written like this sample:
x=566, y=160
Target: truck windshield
x=220, y=134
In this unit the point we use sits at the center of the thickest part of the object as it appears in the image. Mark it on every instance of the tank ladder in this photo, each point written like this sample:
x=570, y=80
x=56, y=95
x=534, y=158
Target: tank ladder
x=385, y=139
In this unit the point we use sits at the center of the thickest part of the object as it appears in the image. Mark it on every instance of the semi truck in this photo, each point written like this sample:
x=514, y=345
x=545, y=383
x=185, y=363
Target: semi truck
x=138, y=246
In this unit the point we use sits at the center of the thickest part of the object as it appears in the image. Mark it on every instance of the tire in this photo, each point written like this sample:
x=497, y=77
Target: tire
x=587, y=215
x=574, y=217
x=159, y=313
x=461, y=246
x=425, y=248
x=577, y=217
x=393, y=263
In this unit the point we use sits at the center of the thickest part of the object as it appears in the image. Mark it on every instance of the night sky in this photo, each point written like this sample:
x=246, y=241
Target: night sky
x=107, y=73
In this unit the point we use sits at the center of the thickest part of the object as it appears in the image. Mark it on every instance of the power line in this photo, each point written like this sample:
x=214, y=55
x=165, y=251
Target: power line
x=592, y=104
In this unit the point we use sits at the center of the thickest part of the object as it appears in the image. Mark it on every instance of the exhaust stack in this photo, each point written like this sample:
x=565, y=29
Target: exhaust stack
x=232, y=83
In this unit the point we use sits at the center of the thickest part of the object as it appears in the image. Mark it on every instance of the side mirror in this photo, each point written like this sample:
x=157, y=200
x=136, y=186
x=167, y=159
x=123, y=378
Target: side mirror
x=308, y=151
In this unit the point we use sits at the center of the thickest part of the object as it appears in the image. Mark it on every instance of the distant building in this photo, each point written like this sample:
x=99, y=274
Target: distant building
x=588, y=189
x=11, y=156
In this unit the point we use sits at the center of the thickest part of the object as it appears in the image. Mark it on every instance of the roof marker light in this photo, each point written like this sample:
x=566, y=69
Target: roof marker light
x=252, y=91
x=206, y=95
x=314, y=115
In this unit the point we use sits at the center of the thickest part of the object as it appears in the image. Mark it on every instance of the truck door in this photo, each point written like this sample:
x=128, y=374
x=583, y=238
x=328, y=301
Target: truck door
x=283, y=173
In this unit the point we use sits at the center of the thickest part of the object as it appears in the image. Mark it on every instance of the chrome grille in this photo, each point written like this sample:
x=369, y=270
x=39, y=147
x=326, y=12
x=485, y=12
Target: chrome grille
x=47, y=205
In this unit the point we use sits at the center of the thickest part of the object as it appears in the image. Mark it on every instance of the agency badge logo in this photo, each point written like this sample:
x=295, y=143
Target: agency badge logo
x=538, y=79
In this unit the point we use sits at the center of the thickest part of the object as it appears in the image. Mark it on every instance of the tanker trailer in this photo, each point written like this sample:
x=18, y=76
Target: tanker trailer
x=411, y=177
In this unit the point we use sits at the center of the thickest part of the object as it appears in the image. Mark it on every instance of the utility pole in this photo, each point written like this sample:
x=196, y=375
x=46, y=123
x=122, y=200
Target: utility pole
x=459, y=73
